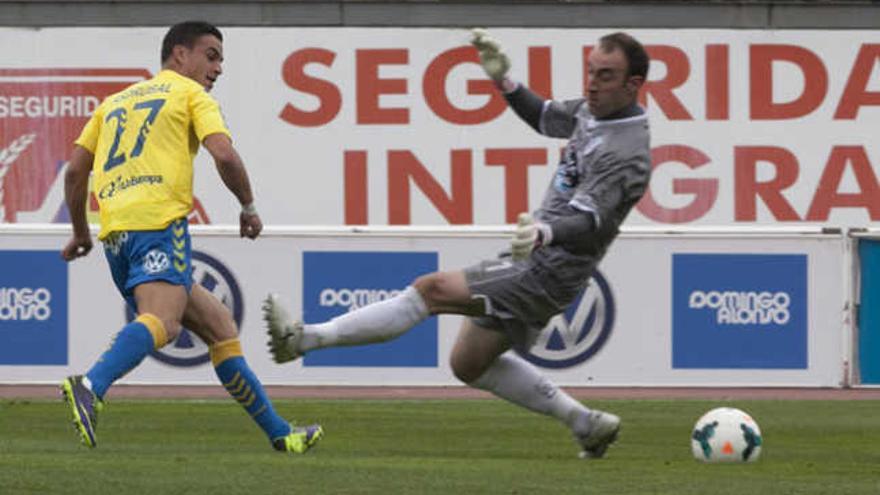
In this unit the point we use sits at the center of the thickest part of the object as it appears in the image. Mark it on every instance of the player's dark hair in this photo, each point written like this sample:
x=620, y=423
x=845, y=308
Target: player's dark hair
x=636, y=56
x=186, y=33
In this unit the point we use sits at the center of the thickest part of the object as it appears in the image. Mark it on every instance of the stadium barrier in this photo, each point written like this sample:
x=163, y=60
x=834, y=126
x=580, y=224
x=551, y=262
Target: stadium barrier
x=866, y=289
x=712, y=307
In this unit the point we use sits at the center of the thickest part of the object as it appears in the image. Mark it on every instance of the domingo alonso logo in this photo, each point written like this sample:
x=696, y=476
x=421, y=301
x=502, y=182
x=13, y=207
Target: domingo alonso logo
x=572, y=337
x=188, y=349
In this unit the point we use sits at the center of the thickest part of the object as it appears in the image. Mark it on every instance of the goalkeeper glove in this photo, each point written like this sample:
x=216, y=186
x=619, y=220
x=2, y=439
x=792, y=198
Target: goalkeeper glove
x=529, y=235
x=495, y=62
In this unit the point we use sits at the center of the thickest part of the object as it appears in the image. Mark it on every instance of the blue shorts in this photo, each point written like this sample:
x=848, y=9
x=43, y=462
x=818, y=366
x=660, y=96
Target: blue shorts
x=139, y=256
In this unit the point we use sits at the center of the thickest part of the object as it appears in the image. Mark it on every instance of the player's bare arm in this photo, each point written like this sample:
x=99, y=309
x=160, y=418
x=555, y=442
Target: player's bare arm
x=234, y=175
x=76, y=185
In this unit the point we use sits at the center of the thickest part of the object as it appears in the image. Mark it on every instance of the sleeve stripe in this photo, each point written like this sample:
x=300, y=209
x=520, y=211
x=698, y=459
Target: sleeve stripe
x=541, y=118
x=577, y=205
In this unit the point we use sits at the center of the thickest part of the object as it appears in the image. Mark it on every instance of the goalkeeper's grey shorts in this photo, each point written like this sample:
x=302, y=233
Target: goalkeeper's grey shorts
x=520, y=296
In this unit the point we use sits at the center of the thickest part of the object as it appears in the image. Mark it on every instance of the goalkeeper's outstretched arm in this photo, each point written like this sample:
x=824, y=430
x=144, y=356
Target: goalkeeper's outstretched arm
x=526, y=104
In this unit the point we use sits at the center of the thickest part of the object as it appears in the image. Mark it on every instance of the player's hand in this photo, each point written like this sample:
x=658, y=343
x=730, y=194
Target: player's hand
x=77, y=247
x=250, y=225
x=525, y=238
x=495, y=62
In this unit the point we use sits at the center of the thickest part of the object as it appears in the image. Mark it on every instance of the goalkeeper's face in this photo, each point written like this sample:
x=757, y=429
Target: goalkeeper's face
x=611, y=87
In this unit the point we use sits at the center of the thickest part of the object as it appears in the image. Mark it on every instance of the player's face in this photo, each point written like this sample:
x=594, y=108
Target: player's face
x=610, y=88
x=203, y=62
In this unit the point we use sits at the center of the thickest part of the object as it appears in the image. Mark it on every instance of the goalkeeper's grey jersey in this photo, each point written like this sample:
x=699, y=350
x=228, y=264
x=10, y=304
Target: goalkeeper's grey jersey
x=604, y=171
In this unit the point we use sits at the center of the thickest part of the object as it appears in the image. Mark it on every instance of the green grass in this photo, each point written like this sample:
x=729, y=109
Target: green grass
x=450, y=447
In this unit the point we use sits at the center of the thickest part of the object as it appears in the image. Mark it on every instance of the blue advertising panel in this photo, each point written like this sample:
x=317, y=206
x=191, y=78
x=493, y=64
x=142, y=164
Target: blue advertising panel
x=869, y=312
x=745, y=311
x=337, y=282
x=33, y=308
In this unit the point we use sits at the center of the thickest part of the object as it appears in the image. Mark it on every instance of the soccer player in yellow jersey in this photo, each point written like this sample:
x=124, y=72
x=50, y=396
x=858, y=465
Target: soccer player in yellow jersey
x=139, y=146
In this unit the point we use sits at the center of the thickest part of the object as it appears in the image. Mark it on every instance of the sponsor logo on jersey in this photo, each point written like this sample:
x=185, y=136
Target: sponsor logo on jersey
x=567, y=175
x=120, y=184
x=576, y=335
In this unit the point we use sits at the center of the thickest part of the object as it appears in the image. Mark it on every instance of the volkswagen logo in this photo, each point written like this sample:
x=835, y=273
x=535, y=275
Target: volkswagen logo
x=572, y=337
x=188, y=349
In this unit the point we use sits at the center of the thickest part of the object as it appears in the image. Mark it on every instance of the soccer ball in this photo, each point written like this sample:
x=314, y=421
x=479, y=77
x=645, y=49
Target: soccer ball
x=726, y=434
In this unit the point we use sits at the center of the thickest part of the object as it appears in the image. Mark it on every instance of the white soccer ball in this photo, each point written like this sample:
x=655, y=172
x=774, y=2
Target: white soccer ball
x=726, y=434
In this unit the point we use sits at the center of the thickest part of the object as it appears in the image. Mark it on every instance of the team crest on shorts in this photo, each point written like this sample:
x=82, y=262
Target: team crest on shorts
x=574, y=336
x=188, y=349
x=156, y=261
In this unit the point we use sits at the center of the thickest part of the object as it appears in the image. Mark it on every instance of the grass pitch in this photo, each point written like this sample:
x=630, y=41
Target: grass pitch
x=434, y=446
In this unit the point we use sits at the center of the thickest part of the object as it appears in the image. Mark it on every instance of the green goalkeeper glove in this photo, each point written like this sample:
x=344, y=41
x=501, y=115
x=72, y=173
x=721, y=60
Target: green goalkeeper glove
x=528, y=236
x=495, y=62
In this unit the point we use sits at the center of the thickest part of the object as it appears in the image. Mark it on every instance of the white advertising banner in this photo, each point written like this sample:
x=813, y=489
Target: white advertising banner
x=684, y=309
x=398, y=126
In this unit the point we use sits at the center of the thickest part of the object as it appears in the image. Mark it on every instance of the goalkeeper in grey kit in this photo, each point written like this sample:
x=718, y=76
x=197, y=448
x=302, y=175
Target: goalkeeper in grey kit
x=603, y=171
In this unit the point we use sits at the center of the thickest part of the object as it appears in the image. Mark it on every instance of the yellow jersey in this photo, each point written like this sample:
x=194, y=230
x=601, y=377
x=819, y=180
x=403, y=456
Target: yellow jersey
x=144, y=139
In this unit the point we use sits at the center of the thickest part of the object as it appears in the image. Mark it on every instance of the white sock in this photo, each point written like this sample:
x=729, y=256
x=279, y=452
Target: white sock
x=377, y=322
x=514, y=379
